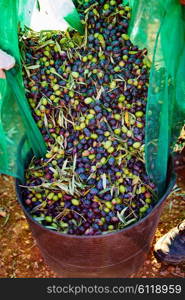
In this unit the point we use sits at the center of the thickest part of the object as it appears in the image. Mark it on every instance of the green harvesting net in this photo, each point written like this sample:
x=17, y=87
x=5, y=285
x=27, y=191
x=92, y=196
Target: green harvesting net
x=159, y=26
x=16, y=121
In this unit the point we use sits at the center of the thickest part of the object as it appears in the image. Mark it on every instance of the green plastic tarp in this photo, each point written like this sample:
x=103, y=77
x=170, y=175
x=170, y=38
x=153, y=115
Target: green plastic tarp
x=159, y=26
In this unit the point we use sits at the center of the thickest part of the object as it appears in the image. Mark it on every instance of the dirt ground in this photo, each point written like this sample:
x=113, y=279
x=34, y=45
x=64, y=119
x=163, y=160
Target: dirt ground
x=21, y=258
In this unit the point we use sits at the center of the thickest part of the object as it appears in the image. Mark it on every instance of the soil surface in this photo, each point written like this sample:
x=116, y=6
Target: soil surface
x=21, y=258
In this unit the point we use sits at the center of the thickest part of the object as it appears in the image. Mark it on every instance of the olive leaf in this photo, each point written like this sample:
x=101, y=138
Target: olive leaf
x=74, y=162
x=33, y=67
x=121, y=215
x=51, y=227
x=123, y=219
x=130, y=221
x=38, y=219
x=104, y=179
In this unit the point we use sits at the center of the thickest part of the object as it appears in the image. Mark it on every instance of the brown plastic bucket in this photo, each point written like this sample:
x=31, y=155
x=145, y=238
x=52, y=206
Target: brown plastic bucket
x=113, y=255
